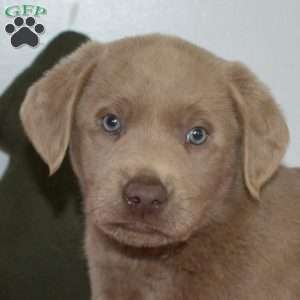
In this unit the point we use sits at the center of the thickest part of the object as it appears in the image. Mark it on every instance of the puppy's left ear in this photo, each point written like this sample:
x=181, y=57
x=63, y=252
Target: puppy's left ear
x=47, y=110
x=265, y=133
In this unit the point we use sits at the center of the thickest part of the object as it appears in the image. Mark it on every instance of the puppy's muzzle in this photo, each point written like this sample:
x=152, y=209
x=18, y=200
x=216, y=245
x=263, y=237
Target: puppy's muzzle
x=145, y=195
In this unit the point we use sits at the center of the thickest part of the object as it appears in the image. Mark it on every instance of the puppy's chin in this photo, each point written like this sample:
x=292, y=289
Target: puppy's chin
x=137, y=235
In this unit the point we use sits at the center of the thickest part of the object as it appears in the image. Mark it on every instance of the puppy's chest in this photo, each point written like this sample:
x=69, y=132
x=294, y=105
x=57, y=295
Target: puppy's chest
x=124, y=278
x=136, y=281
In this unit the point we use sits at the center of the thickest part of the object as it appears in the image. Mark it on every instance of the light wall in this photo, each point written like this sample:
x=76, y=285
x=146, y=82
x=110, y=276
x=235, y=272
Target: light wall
x=262, y=33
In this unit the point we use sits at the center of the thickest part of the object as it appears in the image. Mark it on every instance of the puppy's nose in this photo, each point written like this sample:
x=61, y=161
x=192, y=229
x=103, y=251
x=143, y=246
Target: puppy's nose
x=145, y=195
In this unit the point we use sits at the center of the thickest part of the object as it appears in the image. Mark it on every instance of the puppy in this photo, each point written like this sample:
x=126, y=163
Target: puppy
x=177, y=153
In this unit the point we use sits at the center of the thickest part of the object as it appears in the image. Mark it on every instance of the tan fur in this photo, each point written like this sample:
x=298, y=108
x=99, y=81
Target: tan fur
x=231, y=227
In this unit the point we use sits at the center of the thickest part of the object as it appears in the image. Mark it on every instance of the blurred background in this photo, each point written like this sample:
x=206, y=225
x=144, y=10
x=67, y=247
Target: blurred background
x=264, y=34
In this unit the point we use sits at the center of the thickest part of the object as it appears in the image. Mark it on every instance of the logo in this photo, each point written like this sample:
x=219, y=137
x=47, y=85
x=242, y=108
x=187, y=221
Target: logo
x=24, y=30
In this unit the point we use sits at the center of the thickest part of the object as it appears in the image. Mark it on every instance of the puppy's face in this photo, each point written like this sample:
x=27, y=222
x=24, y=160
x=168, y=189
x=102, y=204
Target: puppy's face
x=157, y=137
x=154, y=144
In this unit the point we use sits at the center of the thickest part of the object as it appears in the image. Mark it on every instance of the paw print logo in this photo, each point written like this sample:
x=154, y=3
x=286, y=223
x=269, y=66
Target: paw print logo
x=22, y=34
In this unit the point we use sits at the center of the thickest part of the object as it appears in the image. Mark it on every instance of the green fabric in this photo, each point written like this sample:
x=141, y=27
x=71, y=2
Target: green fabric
x=41, y=228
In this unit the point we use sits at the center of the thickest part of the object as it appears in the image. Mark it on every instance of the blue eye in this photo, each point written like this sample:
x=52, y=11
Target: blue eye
x=111, y=124
x=196, y=136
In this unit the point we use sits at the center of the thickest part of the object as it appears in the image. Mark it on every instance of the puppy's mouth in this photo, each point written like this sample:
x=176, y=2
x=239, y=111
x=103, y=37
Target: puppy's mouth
x=138, y=227
x=136, y=234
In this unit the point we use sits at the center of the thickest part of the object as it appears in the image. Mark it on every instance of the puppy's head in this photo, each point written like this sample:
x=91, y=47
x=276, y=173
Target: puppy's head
x=161, y=134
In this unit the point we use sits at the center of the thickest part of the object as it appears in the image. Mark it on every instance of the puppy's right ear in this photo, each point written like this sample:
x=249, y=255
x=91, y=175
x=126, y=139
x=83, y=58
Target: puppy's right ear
x=47, y=110
x=265, y=132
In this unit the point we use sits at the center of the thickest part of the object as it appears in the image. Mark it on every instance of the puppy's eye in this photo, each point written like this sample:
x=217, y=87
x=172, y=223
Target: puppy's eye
x=196, y=136
x=111, y=124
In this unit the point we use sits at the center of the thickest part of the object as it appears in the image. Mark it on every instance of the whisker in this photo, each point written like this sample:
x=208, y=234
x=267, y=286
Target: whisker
x=101, y=205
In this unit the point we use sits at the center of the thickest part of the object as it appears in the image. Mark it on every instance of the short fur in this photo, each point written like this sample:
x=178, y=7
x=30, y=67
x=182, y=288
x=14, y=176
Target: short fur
x=230, y=229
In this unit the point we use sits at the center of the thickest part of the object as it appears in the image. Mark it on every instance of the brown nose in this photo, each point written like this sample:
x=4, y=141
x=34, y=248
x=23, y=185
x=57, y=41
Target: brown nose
x=145, y=195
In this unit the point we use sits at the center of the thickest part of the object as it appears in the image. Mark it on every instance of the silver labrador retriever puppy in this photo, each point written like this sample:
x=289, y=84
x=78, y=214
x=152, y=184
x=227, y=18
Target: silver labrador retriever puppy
x=177, y=153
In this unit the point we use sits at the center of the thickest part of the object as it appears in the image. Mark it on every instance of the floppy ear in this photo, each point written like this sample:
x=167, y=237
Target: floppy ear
x=47, y=110
x=265, y=133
